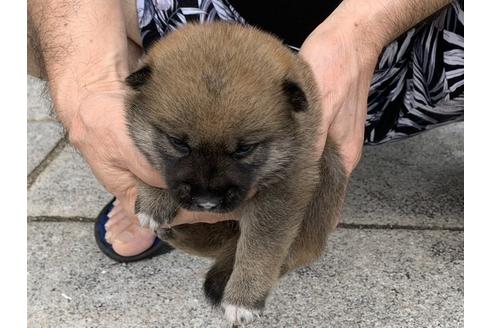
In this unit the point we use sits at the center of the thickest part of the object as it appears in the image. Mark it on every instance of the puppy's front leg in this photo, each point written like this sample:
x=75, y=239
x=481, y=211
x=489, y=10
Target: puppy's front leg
x=154, y=206
x=268, y=228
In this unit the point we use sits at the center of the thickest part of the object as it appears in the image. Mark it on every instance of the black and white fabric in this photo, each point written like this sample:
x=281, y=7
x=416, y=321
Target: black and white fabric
x=418, y=83
x=159, y=17
x=419, y=80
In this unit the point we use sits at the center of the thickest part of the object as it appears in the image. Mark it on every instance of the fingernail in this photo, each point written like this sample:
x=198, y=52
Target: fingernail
x=107, y=236
x=125, y=237
x=116, y=202
x=111, y=213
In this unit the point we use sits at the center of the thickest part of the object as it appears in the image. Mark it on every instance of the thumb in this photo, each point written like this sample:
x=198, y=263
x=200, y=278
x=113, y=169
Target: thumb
x=139, y=166
x=142, y=169
x=127, y=200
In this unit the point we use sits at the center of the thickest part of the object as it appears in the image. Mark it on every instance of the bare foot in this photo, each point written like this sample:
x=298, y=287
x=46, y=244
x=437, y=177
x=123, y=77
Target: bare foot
x=124, y=233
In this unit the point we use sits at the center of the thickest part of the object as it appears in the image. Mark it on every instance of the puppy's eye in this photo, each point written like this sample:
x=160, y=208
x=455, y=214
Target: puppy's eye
x=179, y=145
x=244, y=150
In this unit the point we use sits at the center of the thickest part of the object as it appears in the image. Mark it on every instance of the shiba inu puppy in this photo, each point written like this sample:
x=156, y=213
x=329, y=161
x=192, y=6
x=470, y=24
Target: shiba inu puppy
x=230, y=117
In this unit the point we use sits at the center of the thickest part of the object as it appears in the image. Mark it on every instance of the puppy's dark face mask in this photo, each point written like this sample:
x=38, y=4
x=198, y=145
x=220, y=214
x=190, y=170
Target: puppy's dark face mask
x=208, y=175
x=218, y=130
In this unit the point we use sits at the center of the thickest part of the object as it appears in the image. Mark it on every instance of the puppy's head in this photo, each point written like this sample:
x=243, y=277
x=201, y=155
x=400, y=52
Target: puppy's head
x=222, y=110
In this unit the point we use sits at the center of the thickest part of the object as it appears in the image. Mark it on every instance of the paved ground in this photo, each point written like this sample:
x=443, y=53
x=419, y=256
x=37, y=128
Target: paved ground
x=395, y=261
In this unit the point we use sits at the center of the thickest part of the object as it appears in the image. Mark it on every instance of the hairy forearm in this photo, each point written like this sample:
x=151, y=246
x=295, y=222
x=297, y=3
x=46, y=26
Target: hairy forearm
x=82, y=45
x=397, y=16
x=378, y=22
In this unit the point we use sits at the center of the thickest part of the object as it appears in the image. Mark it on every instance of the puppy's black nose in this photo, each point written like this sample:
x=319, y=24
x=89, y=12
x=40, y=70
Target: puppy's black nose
x=207, y=202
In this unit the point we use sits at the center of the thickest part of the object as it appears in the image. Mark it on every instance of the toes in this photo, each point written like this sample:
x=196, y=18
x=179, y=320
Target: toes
x=238, y=315
x=114, y=211
x=133, y=241
x=115, y=218
x=114, y=228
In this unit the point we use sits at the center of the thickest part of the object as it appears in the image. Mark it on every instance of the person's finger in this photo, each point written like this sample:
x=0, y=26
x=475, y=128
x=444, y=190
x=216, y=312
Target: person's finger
x=139, y=166
x=137, y=163
x=127, y=200
x=188, y=217
x=321, y=141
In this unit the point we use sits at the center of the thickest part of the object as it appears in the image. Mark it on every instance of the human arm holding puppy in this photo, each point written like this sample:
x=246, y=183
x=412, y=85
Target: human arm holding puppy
x=84, y=52
x=343, y=52
x=81, y=49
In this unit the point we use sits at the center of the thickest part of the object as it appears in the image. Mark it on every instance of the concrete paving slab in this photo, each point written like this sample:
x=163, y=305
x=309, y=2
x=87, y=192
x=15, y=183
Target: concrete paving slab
x=417, y=181
x=66, y=188
x=38, y=100
x=41, y=138
x=367, y=278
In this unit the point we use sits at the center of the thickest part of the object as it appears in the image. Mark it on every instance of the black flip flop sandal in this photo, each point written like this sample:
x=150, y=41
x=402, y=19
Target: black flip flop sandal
x=158, y=247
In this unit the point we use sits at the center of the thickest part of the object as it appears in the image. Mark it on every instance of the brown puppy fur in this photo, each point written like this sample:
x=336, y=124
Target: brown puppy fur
x=223, y=110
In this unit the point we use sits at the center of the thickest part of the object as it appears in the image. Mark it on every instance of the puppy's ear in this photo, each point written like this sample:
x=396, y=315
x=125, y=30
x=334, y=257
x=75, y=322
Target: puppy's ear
x=139, y=78
x=295, y=96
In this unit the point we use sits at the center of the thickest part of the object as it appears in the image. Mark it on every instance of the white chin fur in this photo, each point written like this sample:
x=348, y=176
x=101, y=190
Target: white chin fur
x=147, y=221
x=144, y=219
x=238, y=315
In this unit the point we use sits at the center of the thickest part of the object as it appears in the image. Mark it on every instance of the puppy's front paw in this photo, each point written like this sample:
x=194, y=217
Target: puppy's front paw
x=238, y=315
x=148, y=221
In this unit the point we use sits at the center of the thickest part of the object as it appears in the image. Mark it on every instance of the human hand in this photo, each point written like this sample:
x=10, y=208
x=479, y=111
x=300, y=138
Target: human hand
x=100, y=133
x=343, y=52
x=343, y=68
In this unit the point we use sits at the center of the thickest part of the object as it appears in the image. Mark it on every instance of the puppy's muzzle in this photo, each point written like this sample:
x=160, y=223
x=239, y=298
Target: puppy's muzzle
x=205, y=199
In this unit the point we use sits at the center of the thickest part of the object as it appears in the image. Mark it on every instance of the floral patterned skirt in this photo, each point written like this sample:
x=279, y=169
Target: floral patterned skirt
x=418, y=83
